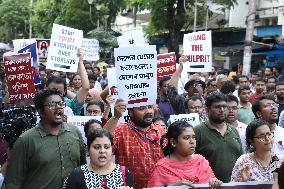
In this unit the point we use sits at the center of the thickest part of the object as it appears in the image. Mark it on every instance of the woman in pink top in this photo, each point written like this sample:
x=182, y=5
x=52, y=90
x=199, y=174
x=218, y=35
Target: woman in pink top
x=180, y=165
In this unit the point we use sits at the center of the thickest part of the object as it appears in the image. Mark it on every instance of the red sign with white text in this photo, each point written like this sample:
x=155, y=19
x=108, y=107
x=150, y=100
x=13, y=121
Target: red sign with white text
x=166, y=65
x=19, y=76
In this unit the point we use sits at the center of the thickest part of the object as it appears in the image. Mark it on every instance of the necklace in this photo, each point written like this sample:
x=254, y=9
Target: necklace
x=259, y=164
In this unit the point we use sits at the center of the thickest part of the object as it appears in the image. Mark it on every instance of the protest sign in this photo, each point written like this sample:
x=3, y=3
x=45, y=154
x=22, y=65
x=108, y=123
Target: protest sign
x=33, y=50
x=43, y=47
x=64, y=42
x=231, y=185
x=19, y=77
x=133, y=36
x=192, y=118
x=79, y=122
x=166, y=65
x=136, y=74
x=22, y=43
x=91, y=47
x=197, y=47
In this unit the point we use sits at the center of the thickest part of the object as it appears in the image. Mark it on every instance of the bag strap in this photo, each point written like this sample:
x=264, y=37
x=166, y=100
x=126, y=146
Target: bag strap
x=123, y=170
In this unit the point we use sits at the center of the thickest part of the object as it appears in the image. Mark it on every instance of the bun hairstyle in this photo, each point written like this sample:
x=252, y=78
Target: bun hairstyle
x=174, y=131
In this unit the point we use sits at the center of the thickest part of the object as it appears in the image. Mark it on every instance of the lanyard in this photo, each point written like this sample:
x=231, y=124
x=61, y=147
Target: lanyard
x=144, y=136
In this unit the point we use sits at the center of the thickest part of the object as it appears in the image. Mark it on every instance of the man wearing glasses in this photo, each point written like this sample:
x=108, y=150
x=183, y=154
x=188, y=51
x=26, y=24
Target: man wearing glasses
x=265, y=108
x=216, y=140
x=43, y=156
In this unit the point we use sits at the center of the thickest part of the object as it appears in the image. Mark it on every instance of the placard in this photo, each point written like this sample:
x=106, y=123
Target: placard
x=43, y=47
x=166, y=64
x=91, y=47
x=133, y=36
x=136, y=74
x=79, y=122
x=192, y=118
x=19, y=77
x=22, y=43
x=197, y=47
x=64, y=43
x=231, y=185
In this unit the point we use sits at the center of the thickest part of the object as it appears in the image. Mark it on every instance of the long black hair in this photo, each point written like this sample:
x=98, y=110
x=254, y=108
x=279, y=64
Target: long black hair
x=174, y=131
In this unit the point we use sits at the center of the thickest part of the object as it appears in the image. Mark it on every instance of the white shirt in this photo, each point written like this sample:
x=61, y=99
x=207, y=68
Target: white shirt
x=278, y=146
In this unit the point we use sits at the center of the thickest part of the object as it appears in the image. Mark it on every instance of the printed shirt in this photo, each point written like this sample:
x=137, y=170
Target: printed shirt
x=134, y=150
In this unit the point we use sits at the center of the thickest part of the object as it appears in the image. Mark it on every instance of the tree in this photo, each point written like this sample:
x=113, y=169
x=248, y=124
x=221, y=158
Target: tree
x=168, y=16
x=14, y=19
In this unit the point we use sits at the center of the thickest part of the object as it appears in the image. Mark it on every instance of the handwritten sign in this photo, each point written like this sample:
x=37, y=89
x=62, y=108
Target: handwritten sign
x=19, y=77
x=43, y=47
x=192, y=118
x=133, y=36
x=91, y=47
x=231, y=185
x=197, y=47
x=79, y=122
x=64, y=43
x=136, y=74
x=166, y=65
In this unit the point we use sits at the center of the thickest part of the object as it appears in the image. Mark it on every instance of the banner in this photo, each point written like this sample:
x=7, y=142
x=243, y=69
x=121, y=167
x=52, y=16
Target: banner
x=136, y=74
x=43, y=47
x=133, y=36
x=192, y=118
x=22, y=43
x=231, y=185
x=79, y=122
x=19, y=77
x=166, y=65
x=91, y=47
x=197, y=47
x=64, y=43
x=33, y=50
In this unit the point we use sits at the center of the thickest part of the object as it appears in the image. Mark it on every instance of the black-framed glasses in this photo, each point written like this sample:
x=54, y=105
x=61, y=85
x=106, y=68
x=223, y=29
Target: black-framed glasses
x=271, y=105
x=53, y=105
x=264, y=136
x=197, y=85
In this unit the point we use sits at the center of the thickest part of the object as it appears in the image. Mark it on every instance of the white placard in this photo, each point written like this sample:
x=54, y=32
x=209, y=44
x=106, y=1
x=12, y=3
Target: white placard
x=136, y=74
x=197, y=47
x=131, y=37
x=79, y=122
x=64, y=43
x=192, y=118
x=91, y=47
x=22, y=43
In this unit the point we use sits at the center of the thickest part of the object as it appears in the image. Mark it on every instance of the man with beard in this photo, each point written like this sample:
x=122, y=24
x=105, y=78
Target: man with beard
x=136, y=143
x=43, y=156
x=216, y=140
x=245, y=113
x=265, y=108
x=259, y=89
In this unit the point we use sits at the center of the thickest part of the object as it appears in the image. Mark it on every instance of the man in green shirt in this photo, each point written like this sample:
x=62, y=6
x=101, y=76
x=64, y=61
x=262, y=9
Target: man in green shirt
x=217, y=141
x=43, y=156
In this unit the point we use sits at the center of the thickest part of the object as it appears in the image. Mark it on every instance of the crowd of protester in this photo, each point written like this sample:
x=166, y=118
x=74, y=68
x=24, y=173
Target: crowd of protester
x=240, y=137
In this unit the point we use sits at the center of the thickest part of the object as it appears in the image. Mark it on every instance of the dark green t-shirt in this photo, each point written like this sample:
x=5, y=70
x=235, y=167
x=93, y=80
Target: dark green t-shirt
x=221, y=151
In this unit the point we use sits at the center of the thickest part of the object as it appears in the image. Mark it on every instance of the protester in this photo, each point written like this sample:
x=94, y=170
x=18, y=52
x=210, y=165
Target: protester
x=101, y=172
x=216, y=140
x=76, y=83
x=245, y=113
x=91, y=125
x=194, y=105
x=256, y=166
x=271, y=81
x=47, y=152
x=265, y=108
x=136, y=143
x=158, y=120
x=259, y=89
x=268, y=72
x=181, y=166
x=279, y=91
x=211, y=86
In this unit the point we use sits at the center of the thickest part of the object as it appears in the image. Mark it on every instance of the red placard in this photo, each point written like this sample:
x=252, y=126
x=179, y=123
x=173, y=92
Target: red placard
x=19, y=76
x=166, y=64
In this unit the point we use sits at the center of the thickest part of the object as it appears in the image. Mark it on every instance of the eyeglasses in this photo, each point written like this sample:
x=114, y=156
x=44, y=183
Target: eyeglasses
x=53, y=105
x=196, y=85
x=219, y=107
x=264, y=136
x=271, y=105
x=93, y=112
x=232, y=108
